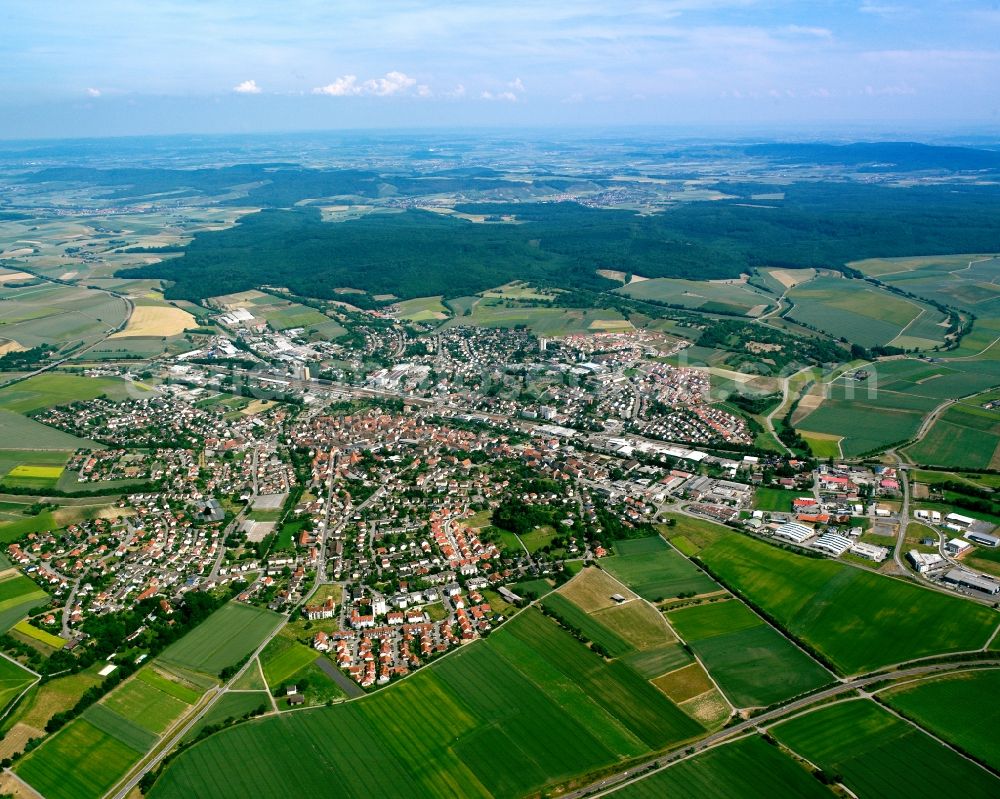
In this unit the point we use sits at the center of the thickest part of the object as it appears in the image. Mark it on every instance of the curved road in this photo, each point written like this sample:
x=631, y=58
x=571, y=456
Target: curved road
x=129, y=309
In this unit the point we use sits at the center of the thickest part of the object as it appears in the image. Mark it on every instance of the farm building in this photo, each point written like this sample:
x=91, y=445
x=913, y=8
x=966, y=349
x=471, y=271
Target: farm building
x=961, y=521
x=794, y=531
x=965, y=579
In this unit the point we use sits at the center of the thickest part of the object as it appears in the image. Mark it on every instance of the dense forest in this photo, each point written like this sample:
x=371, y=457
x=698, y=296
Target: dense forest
x=418, y=253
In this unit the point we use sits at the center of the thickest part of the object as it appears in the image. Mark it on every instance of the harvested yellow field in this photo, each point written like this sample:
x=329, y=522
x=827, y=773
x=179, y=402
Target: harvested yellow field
x=11, y=277
x=9, y=345
x=157, y=320
x=611, y=325
x=789, y=278
x=592, y=590
x=684, y=683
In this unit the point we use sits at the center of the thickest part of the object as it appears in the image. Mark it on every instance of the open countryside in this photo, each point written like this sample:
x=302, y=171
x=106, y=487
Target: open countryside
x=482, y=420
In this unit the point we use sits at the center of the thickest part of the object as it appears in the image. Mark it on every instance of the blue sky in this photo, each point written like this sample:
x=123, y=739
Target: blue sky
x=104, y=67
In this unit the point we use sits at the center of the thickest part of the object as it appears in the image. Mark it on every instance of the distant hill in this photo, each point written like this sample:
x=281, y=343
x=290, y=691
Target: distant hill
x=898, y=156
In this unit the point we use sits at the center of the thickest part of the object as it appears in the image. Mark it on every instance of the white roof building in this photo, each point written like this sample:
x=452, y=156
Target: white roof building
x=794, y=531
x=834, y=543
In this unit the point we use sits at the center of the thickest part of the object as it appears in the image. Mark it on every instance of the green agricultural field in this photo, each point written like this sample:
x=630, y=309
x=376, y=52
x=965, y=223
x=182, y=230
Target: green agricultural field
x=637, y=622
x=958, y=708
x=145, y=705
x=170, y=685
x=641, y=546
x=518, y=290
x=880, y=755
x=542, y=321
x=857, y=619
x=61, y=316
x=46, y=390
x=225, y=638
x=963, y=436
x=529, y=707
x=538, y=587
x=774, y=499
x=78, y=762
x=15, y=459
x=231, y=705
x=862, y=313
x=59, y=693
x=823, y=445
x=721, y=297
x=753, y=664
x=42, y=636
x=282, y=658
x=114, y=724
x=690, y=533
x=748, y=768
x=17, y=432
x=589, y=626
x=422, y=309
x=890, y=405
x=658, y=575
x=652, y=663
x=14, y=530
x=18, y=595
x=968, y=281
x=13, y=680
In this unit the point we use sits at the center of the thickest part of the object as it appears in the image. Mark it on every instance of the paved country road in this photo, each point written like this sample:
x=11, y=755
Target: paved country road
x=642, y=769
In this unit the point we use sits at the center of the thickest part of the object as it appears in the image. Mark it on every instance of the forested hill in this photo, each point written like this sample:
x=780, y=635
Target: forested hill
x=419, y=253
x=881, y=156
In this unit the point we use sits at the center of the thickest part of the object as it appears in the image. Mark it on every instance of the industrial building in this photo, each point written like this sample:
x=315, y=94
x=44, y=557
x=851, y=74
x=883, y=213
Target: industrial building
x=976, y=582
x=924, y=562
x=869, y=551
x=794, y=531
x=834, y=543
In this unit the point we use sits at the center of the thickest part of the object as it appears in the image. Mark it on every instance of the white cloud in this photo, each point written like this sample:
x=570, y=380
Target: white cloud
x=93, y=92
x=247, y=87
x=894, y=91
x=509, y=97
x=342, y=87
x=881, y=10
x=392, y=83
x=458, y=91
x=516, y=85
x=806, y=30
x=423, y=90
